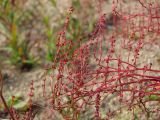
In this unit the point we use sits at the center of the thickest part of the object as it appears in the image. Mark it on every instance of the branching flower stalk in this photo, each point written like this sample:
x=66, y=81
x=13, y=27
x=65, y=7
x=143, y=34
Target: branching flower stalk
x=98, y=68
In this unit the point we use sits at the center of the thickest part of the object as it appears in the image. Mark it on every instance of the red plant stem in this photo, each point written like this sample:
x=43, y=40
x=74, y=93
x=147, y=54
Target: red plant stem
x=81, y=83
x=2, y=98
x=6, y=107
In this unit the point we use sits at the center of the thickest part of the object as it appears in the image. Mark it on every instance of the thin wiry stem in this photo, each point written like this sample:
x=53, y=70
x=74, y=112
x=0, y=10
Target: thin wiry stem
x=2, y=98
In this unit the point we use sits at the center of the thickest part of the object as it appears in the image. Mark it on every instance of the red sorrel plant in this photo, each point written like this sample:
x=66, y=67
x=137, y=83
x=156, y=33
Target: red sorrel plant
x=108, y=65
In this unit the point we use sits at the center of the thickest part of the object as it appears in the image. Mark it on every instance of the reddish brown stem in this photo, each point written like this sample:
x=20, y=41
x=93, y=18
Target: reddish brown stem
x=2, y=98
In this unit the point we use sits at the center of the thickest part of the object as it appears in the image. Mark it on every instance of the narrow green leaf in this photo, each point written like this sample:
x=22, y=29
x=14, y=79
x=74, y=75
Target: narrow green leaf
x=5, y=3
x=54, y=3
x=153, y=97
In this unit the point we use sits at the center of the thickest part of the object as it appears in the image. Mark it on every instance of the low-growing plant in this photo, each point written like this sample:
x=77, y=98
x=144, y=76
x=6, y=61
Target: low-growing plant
x=51, y=43
x=105, y=68
x=94, y=74
x=75, y=31
x=18, y=47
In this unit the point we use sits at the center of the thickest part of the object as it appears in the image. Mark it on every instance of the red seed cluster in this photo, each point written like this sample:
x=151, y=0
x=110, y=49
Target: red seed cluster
x=109, y=63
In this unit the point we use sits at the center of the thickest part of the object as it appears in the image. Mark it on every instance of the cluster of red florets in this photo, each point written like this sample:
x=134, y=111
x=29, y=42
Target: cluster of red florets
x=107, y=64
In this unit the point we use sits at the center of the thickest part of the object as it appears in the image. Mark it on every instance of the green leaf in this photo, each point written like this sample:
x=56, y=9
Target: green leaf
x=76, y=3
x=153, y=98
x=29, y=62
x=21, y=105
x=5, y=3
x=46, y=20
x=8, y=49
x=11, y=16
x=10, y=101
x=135, y=117
x=18, y=103
x=54, y=3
